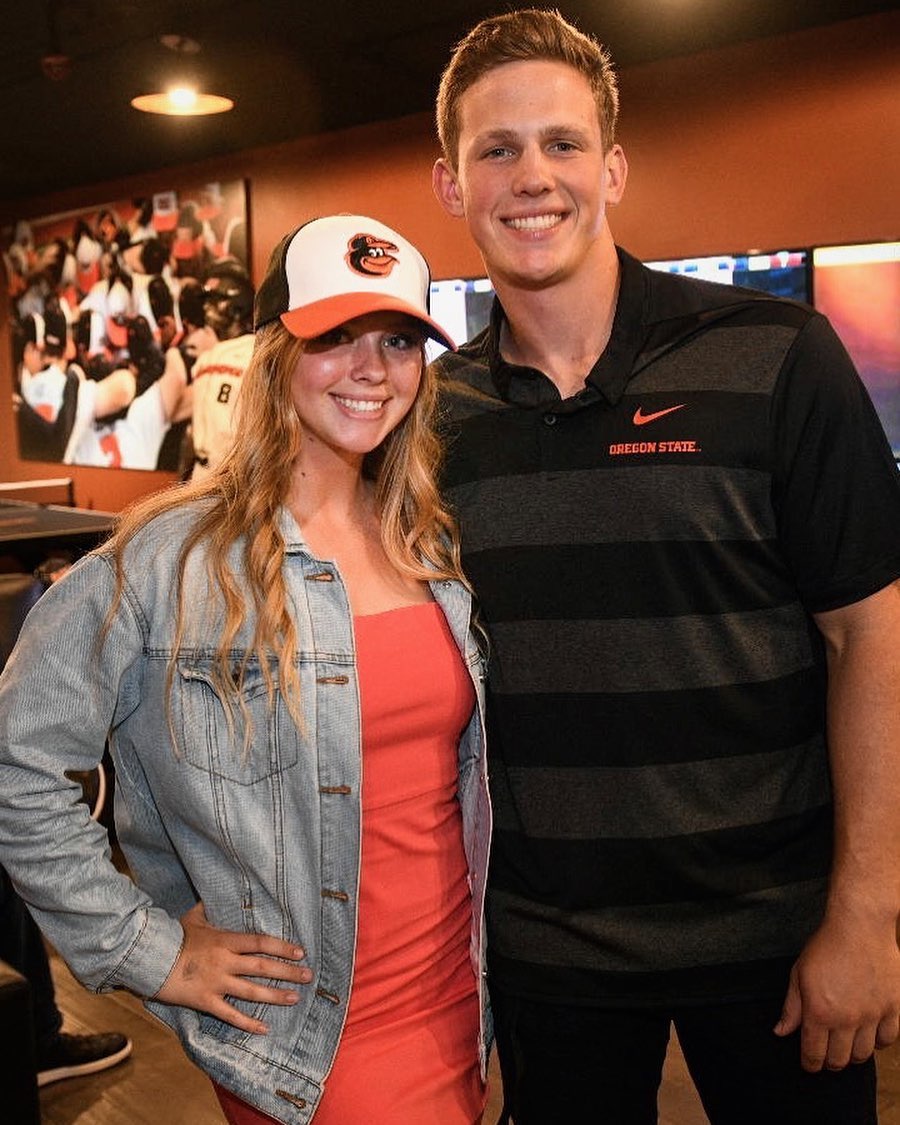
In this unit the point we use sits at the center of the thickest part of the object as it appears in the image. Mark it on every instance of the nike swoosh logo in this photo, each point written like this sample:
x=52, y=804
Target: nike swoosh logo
x=641, y=419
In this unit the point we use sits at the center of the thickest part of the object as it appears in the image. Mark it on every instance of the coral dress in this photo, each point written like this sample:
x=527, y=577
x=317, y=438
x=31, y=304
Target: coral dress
x=409, y=1051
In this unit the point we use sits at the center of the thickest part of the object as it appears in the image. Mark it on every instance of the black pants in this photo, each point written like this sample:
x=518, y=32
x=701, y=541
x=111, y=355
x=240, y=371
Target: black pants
x=577, y=1065
x=22, y=947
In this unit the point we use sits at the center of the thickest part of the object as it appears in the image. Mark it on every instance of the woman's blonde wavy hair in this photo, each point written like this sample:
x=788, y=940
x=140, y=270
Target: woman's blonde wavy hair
x=241, y=502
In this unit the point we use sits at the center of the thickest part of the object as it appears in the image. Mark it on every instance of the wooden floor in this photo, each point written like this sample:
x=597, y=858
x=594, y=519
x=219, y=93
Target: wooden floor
x=158, y=1086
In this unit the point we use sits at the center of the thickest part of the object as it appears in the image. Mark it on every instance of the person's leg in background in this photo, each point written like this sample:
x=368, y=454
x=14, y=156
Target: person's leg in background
x=59, y=1054
x=22, y=947
x=745, y=1074
x=578, y=1063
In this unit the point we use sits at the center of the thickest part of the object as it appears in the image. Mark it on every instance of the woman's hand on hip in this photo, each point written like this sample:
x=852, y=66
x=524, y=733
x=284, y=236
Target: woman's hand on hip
x=216, y=966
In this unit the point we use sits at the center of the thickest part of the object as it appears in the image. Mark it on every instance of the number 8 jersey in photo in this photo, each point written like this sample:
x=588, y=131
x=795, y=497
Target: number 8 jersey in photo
x=217, y=378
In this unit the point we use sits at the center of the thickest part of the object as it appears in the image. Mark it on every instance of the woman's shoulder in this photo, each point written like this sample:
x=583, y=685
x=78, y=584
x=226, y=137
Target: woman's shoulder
x=159, y=534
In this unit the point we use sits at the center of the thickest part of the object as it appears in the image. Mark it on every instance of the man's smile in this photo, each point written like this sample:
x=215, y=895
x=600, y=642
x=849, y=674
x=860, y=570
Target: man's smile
x=535, y=222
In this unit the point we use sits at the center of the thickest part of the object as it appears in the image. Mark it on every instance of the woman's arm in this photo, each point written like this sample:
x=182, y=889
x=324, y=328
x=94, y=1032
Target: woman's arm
x=59, y=697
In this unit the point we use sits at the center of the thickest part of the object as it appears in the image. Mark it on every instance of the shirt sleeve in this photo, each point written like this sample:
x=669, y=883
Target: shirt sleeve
x=836, y=487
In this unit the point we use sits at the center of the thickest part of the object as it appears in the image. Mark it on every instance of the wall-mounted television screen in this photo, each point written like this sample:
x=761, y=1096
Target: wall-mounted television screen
x=858, y=289
x=783, y=273
x=462, y=305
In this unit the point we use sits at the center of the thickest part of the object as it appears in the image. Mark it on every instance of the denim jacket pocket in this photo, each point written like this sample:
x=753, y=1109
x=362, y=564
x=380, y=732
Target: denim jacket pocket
x=245, y=739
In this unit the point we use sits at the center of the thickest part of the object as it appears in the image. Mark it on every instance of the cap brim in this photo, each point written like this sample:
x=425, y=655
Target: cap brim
x=321, y=316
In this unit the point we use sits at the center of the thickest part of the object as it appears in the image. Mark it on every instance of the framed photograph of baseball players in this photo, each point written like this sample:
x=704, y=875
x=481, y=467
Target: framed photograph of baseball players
x=108, y=316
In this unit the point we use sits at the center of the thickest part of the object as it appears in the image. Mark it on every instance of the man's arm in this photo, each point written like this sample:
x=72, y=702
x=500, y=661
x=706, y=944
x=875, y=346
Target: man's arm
x=177, y=393
x=844, y=992
x=115, y=392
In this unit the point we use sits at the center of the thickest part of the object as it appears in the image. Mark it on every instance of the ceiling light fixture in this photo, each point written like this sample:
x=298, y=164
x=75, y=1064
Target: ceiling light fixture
x=180, y=44
x=182, y=101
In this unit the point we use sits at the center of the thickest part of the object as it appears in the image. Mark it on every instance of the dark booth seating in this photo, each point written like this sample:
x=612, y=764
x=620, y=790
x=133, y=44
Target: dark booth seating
x=18, y=593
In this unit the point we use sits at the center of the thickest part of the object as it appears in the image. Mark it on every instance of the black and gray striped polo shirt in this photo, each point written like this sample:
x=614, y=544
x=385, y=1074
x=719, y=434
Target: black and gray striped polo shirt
x=647, y=556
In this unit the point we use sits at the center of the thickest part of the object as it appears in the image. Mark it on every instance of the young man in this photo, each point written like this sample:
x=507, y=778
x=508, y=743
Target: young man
x=47, y=388
x=115, y=426
x=682, y=520
x=43, y=373
x=218, y=372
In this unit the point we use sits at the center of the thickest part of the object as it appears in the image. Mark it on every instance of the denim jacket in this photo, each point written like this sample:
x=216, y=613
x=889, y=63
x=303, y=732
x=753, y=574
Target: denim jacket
x=269, y=839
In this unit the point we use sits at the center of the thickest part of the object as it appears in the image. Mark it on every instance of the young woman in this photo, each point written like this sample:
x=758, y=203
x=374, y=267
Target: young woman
x=283, y=658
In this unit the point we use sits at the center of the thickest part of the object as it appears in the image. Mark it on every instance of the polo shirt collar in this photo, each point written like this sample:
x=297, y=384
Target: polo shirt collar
x=527, y=386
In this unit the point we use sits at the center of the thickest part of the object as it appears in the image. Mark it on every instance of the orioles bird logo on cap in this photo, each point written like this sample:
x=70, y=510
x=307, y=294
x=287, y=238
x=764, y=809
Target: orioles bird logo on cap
x=371, y=256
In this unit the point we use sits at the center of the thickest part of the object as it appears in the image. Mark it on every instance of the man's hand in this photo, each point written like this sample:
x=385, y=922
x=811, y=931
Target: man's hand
x=214, y=965
x=844, y=995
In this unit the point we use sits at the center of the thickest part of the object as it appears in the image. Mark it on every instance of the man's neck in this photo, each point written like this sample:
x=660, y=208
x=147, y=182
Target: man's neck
x=561, y=330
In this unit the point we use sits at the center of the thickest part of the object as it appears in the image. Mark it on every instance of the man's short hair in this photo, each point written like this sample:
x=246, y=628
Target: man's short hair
x=56, y=333
x=520, y=36
x=154, y=256
x=162, y=300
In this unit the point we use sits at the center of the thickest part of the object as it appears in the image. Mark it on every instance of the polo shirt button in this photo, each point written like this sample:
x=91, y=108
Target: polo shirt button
x=549, y=419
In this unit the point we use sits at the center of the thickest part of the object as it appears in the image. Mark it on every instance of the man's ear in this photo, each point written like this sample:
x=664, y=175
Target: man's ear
x=446, y=187
x=616, y=174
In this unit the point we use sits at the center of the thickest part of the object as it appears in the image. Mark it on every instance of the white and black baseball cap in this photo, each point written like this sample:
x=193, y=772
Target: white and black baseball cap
x=333, y=269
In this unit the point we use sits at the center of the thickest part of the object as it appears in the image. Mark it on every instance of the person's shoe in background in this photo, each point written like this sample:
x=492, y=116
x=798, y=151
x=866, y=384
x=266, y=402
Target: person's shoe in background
x=72, y=1055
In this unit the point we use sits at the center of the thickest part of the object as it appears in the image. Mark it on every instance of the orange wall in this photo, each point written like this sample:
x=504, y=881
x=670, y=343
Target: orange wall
x=789, y=140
